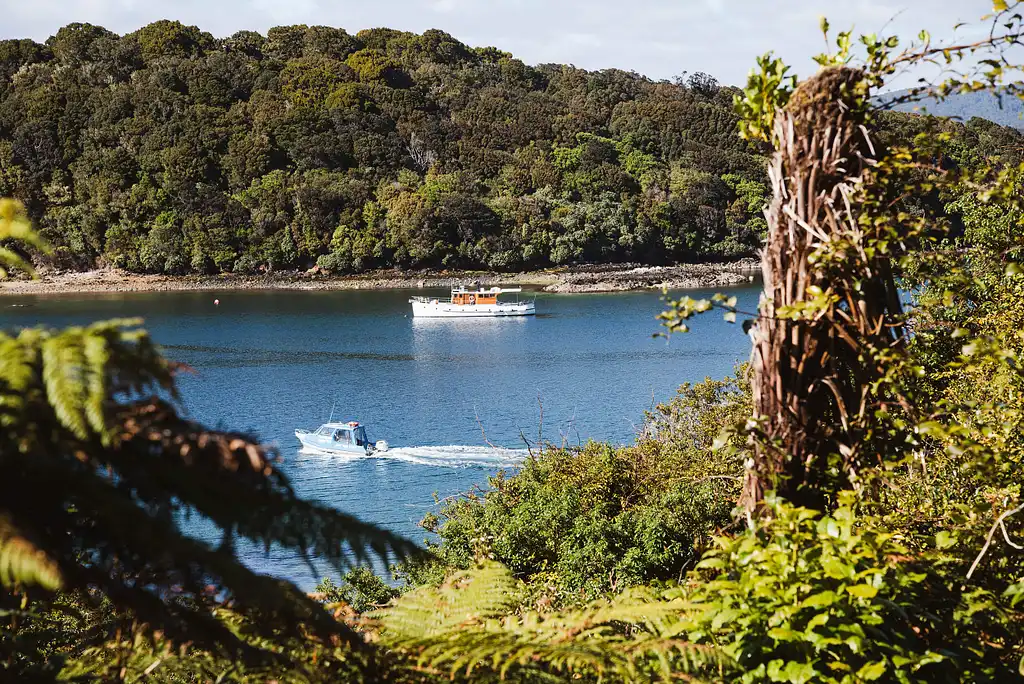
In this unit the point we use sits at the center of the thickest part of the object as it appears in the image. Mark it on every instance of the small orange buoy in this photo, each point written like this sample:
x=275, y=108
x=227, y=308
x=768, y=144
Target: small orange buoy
x=216, y=302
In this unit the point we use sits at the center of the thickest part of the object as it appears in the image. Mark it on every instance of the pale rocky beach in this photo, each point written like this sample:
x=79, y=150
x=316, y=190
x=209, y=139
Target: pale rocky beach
x=577, y=279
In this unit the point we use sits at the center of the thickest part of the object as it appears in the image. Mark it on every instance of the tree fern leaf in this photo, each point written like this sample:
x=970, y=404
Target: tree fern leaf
x=15, y=225
x=63, y=376
x=22, y=563
x=12, y=260
x=17, y=357
x=604, y=639
x=97, y=355
x=464, y=598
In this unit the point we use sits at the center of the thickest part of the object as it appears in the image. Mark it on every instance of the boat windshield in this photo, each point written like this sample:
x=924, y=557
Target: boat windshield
x=324, y=431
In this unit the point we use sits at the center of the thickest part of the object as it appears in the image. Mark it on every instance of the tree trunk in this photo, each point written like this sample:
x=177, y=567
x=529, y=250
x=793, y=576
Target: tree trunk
x=813, y=374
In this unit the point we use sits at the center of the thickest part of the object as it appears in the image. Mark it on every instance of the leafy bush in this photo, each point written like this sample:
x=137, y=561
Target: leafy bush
x=807, y=597
x=578, y=524
x=360, y=588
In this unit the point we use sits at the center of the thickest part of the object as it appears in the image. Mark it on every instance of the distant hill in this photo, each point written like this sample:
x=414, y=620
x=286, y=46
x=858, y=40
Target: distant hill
x=986, y=105
x=169, y=150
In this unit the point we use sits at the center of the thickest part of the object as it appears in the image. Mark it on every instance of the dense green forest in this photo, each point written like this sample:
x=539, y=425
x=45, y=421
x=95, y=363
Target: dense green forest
x=167, y=150
x=170, y=151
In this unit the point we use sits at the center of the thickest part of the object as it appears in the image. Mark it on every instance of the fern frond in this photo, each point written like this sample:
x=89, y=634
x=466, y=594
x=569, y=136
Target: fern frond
x=22, y=563
x=465, y=598
x=83, y=367
x=458, y=628
x=98, y=466
x=17, y=372
x=96, y=354
x=12, y=260
x=64, y=377
x=15, y=225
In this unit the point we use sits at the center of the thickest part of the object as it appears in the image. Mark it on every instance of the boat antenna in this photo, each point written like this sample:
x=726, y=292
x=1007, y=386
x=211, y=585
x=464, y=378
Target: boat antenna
x=331, y=419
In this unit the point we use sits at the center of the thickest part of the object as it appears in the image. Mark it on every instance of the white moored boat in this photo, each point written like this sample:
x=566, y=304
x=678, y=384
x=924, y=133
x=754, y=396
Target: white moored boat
x=472, y=303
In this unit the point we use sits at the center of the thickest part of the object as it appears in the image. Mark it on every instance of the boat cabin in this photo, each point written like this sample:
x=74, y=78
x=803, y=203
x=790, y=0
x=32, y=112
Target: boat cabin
x=463, y=297
x=474, y=298
x=343, y=433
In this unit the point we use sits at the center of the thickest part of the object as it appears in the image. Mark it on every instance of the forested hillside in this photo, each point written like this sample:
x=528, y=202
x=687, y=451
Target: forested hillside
x=168, y=150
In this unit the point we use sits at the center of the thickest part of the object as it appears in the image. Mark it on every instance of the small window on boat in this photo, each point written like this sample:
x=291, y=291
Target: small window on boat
x=324, y=431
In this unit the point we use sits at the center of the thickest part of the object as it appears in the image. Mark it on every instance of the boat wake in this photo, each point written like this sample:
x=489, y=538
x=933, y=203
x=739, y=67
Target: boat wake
x=453, y=456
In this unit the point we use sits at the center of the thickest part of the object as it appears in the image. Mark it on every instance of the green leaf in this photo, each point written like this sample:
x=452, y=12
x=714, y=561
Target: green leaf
x=711, y=564
x=862, y=591
x=836, y=569
x=872, y=671
x=723, y=617
x=818, y=620
x=945, y=540
x=822, y=598
x=785, y=634
x=799, y=673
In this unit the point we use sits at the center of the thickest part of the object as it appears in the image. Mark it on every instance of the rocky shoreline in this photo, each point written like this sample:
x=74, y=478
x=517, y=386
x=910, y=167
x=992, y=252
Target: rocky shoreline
x=684, y=277
x=577, y=279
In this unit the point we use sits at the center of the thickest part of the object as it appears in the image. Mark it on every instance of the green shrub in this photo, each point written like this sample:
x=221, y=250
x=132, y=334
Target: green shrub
x=808, y=597
x=577, y=524
x=360, y=588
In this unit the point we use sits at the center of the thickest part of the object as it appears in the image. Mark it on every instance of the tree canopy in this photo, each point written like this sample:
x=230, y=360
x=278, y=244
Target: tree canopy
x=170, y=151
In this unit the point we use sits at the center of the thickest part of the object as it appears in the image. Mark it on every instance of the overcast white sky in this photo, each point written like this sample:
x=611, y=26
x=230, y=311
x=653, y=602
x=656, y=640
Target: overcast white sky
x=659, y=38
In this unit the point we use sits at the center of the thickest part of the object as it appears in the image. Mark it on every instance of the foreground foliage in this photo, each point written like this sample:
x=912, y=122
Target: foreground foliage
x=808, y=597
x=464, y=629
x=97, y=469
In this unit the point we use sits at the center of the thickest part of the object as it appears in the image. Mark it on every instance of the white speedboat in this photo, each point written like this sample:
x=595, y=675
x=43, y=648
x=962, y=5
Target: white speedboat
x=465, y=303
x=340, y=438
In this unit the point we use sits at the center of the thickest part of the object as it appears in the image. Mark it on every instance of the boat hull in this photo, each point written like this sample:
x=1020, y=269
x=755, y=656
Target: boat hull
x=448, y=310
x=327, y=445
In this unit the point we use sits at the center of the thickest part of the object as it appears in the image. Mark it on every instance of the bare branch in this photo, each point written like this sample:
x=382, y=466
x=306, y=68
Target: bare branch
x=992, y=533
x=482, y=431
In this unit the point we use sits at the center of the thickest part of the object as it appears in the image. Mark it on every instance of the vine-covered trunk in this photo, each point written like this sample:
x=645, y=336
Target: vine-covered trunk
x=829, y=306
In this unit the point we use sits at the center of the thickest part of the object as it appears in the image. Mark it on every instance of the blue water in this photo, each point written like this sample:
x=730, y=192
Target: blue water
x=441, y=392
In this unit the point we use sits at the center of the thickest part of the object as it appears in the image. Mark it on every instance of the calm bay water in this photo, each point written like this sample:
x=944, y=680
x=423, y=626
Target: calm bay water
x=439, y=391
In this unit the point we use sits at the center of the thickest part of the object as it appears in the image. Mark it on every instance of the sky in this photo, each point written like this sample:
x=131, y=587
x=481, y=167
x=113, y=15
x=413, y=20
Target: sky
x=658, y=38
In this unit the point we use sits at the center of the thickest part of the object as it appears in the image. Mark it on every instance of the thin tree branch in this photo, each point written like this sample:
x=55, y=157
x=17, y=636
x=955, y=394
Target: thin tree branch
x=992, y=533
